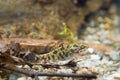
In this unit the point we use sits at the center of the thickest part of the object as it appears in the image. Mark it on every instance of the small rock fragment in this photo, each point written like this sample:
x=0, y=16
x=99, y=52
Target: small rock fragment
x=43, y=78
x=90, y=50
x=115, y=56
x=22, y=78
x=108, y=42
x=83, y=71
x=36, y=67
x=13, y=76
x=26, y=67
x=65, y=71
x=95, y=57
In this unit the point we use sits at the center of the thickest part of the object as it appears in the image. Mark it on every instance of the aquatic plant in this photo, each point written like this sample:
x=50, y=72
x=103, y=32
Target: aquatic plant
x=67, y=34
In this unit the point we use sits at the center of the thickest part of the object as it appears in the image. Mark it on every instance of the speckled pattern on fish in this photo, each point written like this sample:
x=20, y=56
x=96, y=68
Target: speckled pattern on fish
x=63, y=52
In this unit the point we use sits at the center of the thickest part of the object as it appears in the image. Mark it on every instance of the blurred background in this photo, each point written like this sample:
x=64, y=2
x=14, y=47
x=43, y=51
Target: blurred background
x=43, y=19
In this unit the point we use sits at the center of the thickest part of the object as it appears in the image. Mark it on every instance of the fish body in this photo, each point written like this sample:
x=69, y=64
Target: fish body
x=63, y=52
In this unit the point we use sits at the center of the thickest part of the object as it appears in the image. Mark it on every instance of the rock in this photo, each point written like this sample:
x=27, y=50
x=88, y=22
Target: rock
x=26, y=67
x=115, y=56
x=104, y=60
x=19, y=66
x=88, y=63
x=94, y=69
x=83, y=71
x=90, y=50
x=109, y=63
x=114, y=76
x=25, y=78
x=38, y=68
x=65, y=71
x=108, y=42
x=95, y=57
x=22, y=78
x=43, y=78
x=13, y=76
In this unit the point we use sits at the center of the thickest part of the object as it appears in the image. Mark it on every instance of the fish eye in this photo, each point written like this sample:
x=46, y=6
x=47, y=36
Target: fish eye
x=75, y=45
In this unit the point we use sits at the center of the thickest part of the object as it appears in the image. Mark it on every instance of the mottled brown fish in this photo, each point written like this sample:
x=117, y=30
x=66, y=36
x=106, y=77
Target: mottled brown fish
x=63, y=52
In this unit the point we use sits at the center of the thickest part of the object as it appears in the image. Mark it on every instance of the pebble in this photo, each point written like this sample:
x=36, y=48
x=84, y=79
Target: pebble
x=22, y=78
x=95, y=57
x=13, y=76
x=43, y=78
x=67, y=71
x=83, y=71
x=26, y=67
x=90, y=50
x=19, y=66
x=113, y=76
x=88, y=64
x=94, y=69
x=108, y=42
x=115, y=56
x=25, y=78
x=36, y=67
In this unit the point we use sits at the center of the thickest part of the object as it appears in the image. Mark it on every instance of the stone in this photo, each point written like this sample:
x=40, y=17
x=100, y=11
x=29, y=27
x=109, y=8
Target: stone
x=65, y=71
x=115, y=56
x=95, y=57
x=90, y=50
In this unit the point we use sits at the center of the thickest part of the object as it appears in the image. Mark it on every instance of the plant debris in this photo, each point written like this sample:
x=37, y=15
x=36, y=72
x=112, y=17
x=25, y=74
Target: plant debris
x=34, y=74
